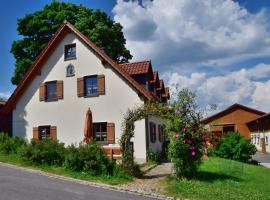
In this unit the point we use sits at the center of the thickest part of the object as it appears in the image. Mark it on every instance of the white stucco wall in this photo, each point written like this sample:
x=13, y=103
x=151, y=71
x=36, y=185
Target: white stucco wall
x=69, y=114
x=256, y=137
x=157, y=145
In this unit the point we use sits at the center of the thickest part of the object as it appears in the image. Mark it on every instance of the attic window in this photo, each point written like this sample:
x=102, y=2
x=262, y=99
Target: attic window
x=70, y=51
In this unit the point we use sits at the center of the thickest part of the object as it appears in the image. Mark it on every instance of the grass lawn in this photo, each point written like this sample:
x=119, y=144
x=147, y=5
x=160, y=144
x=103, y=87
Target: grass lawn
x=223, y=179
x=112, y=180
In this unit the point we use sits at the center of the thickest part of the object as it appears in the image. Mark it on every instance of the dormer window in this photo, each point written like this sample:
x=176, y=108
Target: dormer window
x=70, y=51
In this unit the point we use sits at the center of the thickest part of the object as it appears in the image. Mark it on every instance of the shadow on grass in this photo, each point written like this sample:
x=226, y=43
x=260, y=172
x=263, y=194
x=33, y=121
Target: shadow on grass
x=211, y=177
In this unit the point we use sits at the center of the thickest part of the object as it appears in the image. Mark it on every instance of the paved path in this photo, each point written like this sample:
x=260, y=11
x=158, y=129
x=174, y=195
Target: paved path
x=152, y=181
x=263, y=159
x=19, y=184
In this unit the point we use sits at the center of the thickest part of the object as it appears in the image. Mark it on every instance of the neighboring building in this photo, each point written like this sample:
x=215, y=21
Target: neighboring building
x=5, y=119
x=260, y=132
x=71, y=75
x=234, y=118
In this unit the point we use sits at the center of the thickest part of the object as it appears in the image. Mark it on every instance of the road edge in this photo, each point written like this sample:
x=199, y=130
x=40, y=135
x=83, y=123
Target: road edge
x=89, y=183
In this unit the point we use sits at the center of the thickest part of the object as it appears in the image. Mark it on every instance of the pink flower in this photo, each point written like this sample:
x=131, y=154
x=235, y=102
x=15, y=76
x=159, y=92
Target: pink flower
x=193, y=153
x=192, y=148
x=178, y=110
x=190, y=141
x=175, y=135
x=184, y=129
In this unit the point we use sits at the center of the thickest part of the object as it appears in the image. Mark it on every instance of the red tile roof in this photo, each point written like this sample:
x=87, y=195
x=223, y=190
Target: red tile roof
x=35, y=68
x=141, y=67
x=155, y=77
x=167, y=93
x=161, y=85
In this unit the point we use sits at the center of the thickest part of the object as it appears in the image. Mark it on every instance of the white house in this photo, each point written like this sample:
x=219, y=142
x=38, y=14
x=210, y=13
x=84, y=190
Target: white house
x=71, y=75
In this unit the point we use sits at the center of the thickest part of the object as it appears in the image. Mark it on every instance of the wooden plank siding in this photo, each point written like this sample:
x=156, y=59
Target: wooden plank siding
x=239, y=117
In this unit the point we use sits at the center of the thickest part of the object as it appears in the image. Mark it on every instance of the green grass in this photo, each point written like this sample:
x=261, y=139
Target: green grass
x=223, y=179
x=119, y=178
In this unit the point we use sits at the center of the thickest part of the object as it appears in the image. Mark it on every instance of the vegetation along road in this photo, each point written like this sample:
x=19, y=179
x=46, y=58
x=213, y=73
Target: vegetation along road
x=19, y=184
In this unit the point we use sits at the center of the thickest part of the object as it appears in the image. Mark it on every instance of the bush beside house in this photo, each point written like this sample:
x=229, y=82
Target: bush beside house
x=234, y=146
x=88, y=159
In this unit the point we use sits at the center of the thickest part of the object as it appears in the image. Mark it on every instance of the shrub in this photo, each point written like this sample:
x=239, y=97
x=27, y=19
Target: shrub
x=236, y=147
x=89, y=158
x=186, y=135
x=47, y=152
x=10, y=145
x=153, y=156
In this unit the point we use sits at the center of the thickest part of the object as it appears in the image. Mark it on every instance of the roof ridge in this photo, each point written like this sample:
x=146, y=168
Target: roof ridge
x=129, y=63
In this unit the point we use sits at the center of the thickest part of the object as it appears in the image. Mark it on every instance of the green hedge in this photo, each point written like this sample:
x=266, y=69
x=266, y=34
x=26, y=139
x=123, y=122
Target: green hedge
x=10, y=145
x=87, y=158
x=234, y=146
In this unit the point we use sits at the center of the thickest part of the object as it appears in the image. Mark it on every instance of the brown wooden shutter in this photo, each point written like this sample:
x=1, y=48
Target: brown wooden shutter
x=53, y=132
x=35, y=133
x=80, y=87
x=42, y=92
x=101, y=84
x=110, y=133
x=60, y=90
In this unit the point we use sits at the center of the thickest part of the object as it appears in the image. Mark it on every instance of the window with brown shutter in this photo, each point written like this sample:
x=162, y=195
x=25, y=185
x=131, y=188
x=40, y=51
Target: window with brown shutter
x=153, y=136
x=160, y=133
x=80, y=87
x=91, y=86
x=42, y=92
x=35, y=133
x=111, y=133
x=101, y=84
x=51, y=91
x=104, y=133
x=43, y=132
x=59, y=90
x=53, y=133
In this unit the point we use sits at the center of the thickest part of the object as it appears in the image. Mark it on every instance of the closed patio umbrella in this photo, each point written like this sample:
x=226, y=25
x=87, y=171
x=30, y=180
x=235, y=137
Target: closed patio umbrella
x=88, y=127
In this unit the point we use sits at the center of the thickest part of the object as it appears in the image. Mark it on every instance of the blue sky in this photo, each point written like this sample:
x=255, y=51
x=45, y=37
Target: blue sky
x=224, y=57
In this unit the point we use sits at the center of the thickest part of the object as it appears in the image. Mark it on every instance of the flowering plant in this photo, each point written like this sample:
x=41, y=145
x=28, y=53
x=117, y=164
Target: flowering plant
x=186, y=135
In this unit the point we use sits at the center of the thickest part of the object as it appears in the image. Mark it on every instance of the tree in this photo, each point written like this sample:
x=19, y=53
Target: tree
x=37, y=29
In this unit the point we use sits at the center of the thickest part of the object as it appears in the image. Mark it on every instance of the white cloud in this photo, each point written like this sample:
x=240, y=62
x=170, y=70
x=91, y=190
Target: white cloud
x=261, y=95
x=224, y=90
x=5, y=95
x=178, y=32
x=182, y=37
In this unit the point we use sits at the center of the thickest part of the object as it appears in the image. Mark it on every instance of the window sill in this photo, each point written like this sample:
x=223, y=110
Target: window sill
x=91, y=95
x=102, y=142
x=51, y=100
x=71, y=58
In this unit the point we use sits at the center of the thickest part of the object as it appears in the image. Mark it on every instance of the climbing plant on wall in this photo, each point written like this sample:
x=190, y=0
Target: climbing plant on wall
x=133, y=115
x=183, y=127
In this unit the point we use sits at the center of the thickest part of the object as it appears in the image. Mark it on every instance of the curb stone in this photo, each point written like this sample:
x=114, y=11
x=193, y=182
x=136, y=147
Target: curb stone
x=89, y=183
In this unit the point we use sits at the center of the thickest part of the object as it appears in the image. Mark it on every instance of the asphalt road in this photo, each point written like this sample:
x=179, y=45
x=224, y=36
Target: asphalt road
x=18, y=184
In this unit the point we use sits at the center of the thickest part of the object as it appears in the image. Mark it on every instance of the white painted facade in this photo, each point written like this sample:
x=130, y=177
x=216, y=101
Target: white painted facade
x=68, y=114
x=256, y=138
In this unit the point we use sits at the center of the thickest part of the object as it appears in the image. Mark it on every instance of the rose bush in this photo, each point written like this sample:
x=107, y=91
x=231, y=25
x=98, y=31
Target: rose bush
x=186, y=135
